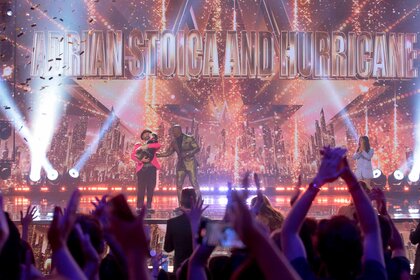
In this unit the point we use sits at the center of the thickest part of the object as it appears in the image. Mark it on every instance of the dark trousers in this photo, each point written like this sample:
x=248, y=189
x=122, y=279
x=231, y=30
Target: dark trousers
x=146, y=182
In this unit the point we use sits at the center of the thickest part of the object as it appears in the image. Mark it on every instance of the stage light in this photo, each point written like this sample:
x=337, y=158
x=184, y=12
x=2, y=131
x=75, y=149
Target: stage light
x=413, y=177
x=379, y=179
x=34, y=177
x=74, y=173
x=396, y=180
x=47, y=112
x=5, y=170
x=5, y=130
x=7, y=71
x=398, y=175
x=52, y=175
x=9, y=12
x=53, y=178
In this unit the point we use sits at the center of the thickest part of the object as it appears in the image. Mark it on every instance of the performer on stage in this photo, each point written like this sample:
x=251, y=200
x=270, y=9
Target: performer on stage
x=185, y=147
x=146, y=167
x=363, y=158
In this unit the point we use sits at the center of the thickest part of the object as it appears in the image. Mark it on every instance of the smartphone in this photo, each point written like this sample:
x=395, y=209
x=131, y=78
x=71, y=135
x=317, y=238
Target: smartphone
x=121, y=209
x=165, y=262
x=222, y=234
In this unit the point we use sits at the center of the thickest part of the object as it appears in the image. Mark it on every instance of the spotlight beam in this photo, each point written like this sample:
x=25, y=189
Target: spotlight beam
x=12, y=112
x=107, y=125
x=415, y=170
x=339, y=104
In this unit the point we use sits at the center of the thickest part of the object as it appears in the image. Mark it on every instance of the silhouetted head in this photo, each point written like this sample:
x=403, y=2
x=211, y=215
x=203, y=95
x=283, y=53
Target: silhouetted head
x=340, y=247
x=188, y=197
x=176, y=130
x=91, y=226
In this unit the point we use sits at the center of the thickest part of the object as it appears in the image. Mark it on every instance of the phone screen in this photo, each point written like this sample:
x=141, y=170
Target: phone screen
x=221, y=234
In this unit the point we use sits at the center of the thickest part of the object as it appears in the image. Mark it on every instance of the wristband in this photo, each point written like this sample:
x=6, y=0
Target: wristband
x=315, y=186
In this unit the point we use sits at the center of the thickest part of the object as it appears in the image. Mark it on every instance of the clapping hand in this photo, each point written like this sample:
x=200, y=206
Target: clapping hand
x=329, y=171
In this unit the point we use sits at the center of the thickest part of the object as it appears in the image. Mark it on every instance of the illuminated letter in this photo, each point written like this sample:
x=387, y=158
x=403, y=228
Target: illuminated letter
x=288, y=54
x=152, y=59
x=339, y=57
x=411, y=54
x=195, y=53
x=168, y=49
x=305, y=53
x=39, y=54
x=232, y=60
x=136, y=65
x=114, y=53
x=266, y=54
x=249, y=54
x=380, y=57
x=211, y=59
x=364, y=57
x=322, y=54
x=396, y=67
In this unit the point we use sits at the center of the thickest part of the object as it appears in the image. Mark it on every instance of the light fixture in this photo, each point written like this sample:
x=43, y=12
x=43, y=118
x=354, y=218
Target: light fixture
x=396, y=180
x=74, y=173
x=379, y=179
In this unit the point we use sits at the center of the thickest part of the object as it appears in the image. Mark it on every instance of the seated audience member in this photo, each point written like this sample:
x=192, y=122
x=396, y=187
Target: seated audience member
x=178, y=236
x=267, y=215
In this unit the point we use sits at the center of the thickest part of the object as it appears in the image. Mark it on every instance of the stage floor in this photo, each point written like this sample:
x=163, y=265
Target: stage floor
x=401, y=207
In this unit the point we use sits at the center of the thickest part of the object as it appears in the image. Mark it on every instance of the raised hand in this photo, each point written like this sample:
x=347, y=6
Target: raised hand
x=133, y=240
x=62, y=224
x=260, y=198
x=4, y=227
x=27, y=220
x=130, y=234
x=92, y=259
x=331, y=162
x=194, y=214
x=99, y=211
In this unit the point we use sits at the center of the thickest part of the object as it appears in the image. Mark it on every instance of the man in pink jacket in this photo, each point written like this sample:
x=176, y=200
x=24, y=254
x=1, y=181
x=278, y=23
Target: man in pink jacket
x=146, y=167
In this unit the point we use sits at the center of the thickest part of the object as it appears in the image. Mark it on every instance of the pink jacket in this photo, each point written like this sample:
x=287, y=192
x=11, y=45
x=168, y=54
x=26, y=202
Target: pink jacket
x=139, y=164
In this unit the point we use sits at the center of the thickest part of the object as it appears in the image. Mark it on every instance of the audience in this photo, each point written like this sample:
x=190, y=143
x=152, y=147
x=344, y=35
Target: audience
x=361, y=242
x=179, y=232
